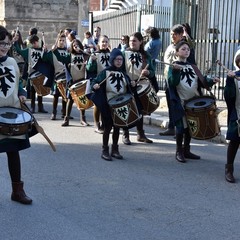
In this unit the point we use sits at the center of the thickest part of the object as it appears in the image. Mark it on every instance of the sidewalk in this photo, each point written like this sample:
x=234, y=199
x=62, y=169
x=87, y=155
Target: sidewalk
x=160, y=118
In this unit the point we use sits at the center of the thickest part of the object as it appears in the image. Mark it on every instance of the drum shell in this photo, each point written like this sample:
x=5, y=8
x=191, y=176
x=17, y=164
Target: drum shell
x=124, y=111
x=148, y=97
x=77, y=92
x=201, y=116
x=17, y=128
x=61, y=85
x=37, y=81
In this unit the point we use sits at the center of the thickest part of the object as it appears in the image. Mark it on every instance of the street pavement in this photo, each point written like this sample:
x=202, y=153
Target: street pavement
x=147, y=196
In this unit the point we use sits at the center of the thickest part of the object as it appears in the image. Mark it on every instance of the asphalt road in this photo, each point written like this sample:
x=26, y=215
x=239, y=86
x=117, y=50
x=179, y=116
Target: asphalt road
x=147, y=196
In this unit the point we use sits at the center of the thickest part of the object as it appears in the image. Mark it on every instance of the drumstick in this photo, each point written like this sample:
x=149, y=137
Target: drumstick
x=105, y=79
x=4, y=75
x=38, y=127
x=141, y=73
x=225, y=68
x=79, y=49
x=170, y=64
x=43, y=38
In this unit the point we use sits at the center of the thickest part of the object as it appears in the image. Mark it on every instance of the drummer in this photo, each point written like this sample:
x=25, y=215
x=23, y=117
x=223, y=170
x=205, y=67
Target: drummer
x=232, y=98
x=75, y=62
x=32, y=56
x=98, y=61
x=59, y=72
x=106, y=86
x=185, y=81
x=10, y=96
x=136, y=60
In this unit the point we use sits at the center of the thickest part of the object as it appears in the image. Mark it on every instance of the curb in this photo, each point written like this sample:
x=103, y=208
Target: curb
x=162, y=122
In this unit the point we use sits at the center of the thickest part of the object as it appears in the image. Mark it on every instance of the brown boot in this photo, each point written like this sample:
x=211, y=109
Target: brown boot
x=141, y=137
x=179, y=155
x=65, y=122
x=18, y=194
x=115, y=153
x=229, y=173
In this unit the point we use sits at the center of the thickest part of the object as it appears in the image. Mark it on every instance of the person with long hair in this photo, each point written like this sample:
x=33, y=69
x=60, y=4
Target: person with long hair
x=75, y=62
x=232, y=98
x=12, y=96
x=97, y=62
x=137, y=63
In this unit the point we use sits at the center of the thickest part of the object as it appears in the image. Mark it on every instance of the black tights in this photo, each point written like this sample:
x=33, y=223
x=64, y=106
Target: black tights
x=106, y=133
x=14, y=166
x=232, y=151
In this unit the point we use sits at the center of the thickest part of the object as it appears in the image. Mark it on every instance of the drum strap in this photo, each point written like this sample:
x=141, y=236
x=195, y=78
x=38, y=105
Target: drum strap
x=200, y=76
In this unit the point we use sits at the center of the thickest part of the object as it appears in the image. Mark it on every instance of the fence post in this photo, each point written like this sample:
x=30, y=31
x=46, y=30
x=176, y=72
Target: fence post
x=138, y=20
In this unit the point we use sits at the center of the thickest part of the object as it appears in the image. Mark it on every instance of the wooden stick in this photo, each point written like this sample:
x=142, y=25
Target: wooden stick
x=141, y=73
x=4, y=75
x=224, y=67
x=170, y=64
x=43, y=38
x=38, y=127
x=105, y=79
x=227, y=70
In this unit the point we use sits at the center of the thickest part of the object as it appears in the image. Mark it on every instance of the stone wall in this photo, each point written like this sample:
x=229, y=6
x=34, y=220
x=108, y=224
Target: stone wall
x=48, y=16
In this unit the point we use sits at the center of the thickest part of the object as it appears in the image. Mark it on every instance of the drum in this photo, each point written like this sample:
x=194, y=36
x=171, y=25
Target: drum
x=77, y=92
x=124, y=110
x=61, y=85
x=202, y=118
x=37, y=80
x=148, y=97
x=14, y=121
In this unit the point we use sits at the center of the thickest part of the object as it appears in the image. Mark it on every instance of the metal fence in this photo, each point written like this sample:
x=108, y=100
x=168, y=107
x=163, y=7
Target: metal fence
x=215, y=27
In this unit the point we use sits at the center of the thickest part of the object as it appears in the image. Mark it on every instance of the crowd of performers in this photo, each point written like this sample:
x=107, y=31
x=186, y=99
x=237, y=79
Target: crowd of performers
x=119, y=83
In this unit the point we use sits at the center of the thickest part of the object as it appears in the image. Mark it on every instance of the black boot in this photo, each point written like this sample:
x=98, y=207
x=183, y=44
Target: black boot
x=115, y=153
x=99, y=128
x=83, y=122
x=105, y=153
x=54, y=115
x=40, y=105
x=141, y=137
x=18, y=193
x=41, y=109
x=229, y=173
x=180, y=155
x=188, y=154
x=125, y=137
x=65, y=122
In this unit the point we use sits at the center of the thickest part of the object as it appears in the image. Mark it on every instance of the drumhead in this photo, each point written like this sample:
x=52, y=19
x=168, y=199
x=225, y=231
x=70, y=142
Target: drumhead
x=200, y=102
x=34, y=75
x=61, y=81
x=78, y=84
x=143, y=86
x=120, y=99
x=10, y=115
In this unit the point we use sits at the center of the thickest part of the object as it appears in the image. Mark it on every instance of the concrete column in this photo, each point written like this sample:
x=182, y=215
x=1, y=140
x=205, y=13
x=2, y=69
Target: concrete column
x=83, y=9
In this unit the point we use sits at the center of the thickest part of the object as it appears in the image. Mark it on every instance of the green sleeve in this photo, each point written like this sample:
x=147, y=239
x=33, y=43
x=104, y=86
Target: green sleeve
x=22, y=52
x=173, y=77
x=64, y=59
x=100, y=77
x=150, y=66
x=91, y=65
